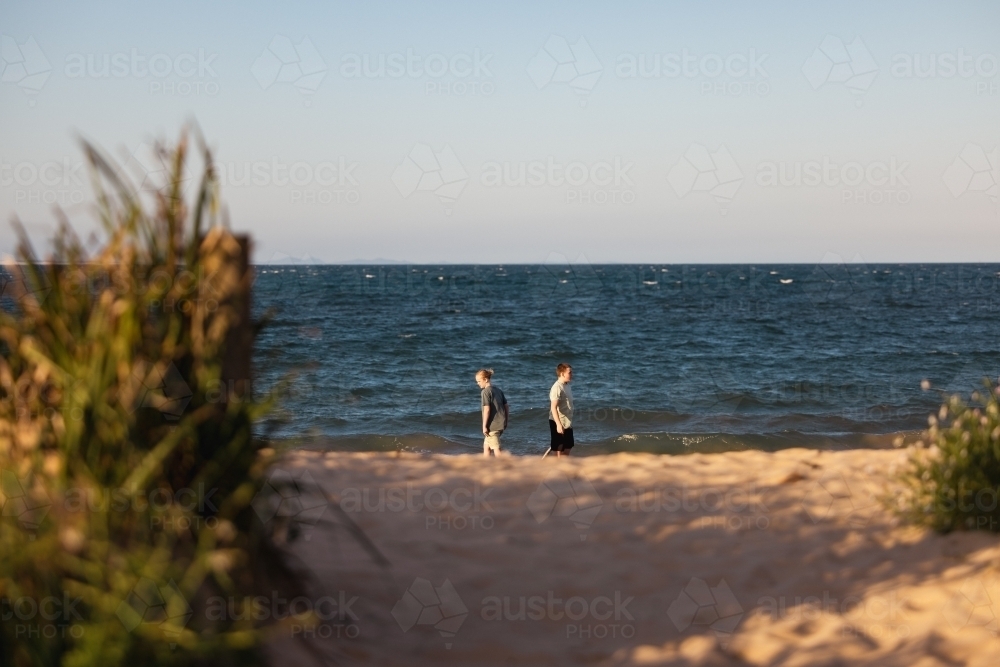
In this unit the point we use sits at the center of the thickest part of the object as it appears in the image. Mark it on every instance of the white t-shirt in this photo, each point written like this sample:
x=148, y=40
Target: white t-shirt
x=564, y=395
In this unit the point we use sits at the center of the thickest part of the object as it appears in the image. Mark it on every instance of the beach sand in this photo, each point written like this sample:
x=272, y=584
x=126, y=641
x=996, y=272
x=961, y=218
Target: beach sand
x=785, y=558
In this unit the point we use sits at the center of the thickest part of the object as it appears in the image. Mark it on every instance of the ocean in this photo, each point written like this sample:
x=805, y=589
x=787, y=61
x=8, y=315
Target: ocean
x=668, y=359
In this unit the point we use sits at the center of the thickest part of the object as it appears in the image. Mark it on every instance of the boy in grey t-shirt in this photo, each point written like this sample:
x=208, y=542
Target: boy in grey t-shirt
x=496, y=412
x=561, y=412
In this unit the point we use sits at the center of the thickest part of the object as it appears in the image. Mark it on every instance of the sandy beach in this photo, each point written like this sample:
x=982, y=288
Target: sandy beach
x=786, y=558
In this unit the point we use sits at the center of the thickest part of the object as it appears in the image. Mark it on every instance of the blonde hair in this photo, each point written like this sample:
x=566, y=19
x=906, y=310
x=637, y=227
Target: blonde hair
x=487, y=373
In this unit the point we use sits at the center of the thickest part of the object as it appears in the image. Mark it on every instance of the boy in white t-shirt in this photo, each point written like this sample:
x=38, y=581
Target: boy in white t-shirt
x=561, y=411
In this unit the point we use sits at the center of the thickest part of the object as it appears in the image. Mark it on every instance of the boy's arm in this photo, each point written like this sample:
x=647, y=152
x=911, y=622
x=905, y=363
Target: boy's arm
x=554, y=409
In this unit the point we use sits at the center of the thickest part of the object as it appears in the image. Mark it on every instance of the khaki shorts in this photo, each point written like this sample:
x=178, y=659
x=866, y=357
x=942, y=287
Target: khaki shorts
x=492, y=441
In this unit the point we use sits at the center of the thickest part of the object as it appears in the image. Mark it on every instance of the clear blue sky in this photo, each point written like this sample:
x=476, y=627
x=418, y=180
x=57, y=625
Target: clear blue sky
x=675, y=147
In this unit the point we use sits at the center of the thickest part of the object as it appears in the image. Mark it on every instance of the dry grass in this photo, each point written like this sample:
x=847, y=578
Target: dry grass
x=128, y=464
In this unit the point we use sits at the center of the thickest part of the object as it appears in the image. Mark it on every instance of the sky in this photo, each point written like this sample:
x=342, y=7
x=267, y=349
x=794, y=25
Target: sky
x=520, y=132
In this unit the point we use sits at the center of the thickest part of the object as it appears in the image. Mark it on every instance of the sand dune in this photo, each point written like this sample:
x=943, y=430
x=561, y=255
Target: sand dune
x=786, y=558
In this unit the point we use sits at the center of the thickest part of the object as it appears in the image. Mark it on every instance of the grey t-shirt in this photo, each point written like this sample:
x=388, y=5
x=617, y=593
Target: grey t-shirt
x=563, y=395
x=496, y=420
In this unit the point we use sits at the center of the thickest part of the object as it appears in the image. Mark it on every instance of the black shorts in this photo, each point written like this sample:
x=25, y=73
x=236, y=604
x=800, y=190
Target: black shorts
x=560, y=441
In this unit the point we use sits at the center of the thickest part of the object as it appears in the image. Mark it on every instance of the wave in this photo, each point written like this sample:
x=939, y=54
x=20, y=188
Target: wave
x=708, y=443
x=669, y=358
x=723, y=417
x=649, y=443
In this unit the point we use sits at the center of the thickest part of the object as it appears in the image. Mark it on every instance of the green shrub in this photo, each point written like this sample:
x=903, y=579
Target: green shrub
x=952, y=480
x=127, y=476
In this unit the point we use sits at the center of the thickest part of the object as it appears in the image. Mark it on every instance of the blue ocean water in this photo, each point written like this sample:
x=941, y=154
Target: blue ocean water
x=666, y=358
